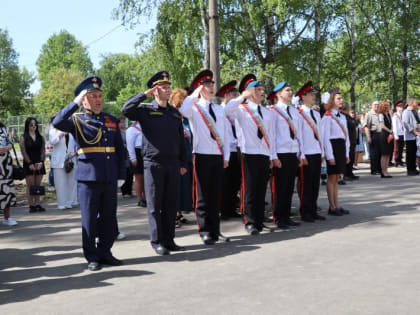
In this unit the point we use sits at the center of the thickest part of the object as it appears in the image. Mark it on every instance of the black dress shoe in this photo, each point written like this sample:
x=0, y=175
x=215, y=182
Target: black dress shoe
x=354, y=177
x=93, y=266
x=308, y=218
x=142, y=203
x=319, y=217
x=290, y=222
x=39, y=208
x=386, y=176
x=335, y=212
x=412, y=173
x=175, y=248
x=344, y=211
x=223, y=238
x=32, y=209
x=208, y=240
x=251, y=229
x=265, y=229
x=111, y=261
x=161, y=250
x=282, y=225
x=375, y=173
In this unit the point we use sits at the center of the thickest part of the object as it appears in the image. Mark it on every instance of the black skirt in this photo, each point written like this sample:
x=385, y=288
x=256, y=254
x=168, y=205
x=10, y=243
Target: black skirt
x=339, y=151
x=386, y=148
x=29, y=172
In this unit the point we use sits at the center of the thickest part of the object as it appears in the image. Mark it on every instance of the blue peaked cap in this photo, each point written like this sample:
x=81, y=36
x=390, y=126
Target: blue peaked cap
x=280, y=86
x=254, y=84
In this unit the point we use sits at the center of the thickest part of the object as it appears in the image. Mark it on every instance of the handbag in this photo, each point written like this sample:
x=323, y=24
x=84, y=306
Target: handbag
x=18, y=171
x=68, y=163
x=36, y=190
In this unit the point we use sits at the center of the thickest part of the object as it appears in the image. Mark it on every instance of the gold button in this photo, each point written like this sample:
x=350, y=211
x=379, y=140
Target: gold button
x=106, y=139
x=108, y=157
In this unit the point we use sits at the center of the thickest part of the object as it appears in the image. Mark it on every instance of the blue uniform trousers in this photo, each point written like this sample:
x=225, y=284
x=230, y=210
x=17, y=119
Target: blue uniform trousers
x=98, y=204
x=161, y=181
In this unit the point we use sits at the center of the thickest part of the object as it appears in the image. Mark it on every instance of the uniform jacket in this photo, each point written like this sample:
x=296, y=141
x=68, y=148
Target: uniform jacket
x=163, y=133
x=100, y=162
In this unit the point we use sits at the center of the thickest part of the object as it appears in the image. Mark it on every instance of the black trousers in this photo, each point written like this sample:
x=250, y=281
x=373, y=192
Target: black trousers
x=255, y=174
x=127, y=187
x=161, y=181
x=410, y=157
x=375, y=153
x=98, y=204
x=349, y=167
x=284, y=181
x=208, y=179
x=231, y=185
x=399, y=149
x=309, y=185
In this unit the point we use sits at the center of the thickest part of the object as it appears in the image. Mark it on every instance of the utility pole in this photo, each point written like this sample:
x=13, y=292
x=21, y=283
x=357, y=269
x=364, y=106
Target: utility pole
x=214, y=42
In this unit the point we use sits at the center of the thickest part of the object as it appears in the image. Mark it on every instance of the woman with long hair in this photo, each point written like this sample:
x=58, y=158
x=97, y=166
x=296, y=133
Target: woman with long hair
x=7, y=188
x=386, y=137
x=185, y=191
x=336, y=147
x=32, y=146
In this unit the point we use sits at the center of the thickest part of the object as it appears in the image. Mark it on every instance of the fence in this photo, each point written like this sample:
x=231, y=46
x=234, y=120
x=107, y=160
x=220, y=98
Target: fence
x=16, y=124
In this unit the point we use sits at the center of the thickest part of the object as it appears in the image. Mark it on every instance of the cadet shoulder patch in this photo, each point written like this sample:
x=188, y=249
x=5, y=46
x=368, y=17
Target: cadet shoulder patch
x=156, y=113
x=177, y=115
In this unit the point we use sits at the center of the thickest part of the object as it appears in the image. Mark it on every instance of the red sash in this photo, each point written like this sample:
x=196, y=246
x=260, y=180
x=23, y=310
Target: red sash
x=328, y=113
x=310, y=125
x=258, y=125
x=135, y=126
x=212, y=131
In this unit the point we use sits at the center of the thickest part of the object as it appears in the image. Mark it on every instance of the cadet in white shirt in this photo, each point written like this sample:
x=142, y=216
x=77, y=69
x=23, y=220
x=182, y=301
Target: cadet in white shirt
x=287, y=125
x=398, y=129
x=232, y=174
x=336, y=147
x=211, y=153
x=257, y=148
x=310, y=170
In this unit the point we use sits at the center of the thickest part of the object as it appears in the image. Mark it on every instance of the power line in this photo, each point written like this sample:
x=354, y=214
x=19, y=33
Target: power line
x=103, y=36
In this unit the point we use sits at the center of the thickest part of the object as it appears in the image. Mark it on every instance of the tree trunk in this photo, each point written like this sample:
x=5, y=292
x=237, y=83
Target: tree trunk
x=318, y=55
x=214, y=42
x=205, y=22
x=353, y=59
x=269, y=42
x=404, y=61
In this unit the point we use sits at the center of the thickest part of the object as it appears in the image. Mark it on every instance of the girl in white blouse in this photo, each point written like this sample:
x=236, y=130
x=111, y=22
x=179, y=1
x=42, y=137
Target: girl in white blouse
x=336, y=148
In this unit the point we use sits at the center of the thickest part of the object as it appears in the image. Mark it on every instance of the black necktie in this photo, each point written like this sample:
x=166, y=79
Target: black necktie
x=213, y=115
x=313, y=117
x=259, y=133
x=67, y=141
x=338, y=114
x=292, y=135
x=234, y=131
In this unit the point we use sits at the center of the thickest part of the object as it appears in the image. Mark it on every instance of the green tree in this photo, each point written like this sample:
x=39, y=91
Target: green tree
x=62, y=50
x=27, y=79
x=10, y=77
x=60, y=90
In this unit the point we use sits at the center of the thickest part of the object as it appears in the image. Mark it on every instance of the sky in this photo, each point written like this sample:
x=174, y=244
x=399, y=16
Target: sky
x=30, y=24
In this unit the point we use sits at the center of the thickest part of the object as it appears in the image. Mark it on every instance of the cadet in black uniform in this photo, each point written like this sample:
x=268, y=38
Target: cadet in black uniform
x=164, y=158
x=101, y=162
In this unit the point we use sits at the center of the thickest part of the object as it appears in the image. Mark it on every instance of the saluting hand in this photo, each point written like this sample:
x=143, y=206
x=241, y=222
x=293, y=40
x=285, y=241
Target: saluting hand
x=78, y=99
x=150, y=92
x=248, y=93
x=197, y=91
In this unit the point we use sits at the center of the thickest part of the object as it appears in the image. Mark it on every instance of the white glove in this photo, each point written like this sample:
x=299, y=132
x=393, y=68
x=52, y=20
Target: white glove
x=78, y=99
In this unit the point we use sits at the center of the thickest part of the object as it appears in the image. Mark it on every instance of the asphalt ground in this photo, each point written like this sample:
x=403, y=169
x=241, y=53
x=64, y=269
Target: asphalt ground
x=365, y=263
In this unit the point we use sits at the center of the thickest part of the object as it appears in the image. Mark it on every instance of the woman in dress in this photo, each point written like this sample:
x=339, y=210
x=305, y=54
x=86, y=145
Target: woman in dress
x=359, y=142
x=336, y=148
x=386, y=137
x=65, y=183
x=7, y=188
x=32, y=146
x=185, y=192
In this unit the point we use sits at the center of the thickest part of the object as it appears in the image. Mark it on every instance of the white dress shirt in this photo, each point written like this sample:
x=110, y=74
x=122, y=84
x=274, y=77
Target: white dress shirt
x=283, y=142
x=203, y=143
x=233, y=141
x=249, y=142
x=331, y=130
x=397, y=125
x=134, y=139
x=310, y=144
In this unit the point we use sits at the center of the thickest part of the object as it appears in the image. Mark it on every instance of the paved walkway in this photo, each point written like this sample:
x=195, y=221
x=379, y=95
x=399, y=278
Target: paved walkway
x=365, y=263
